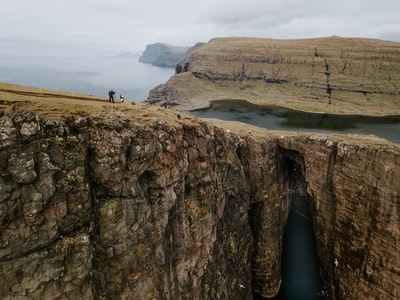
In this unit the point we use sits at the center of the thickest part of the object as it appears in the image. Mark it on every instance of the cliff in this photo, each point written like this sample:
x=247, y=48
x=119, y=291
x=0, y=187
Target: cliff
x=164, y=55
x=120, y=201
x=333, y=75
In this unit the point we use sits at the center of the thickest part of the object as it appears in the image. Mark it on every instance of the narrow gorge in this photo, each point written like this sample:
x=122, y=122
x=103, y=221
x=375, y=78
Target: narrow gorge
x=137, y=202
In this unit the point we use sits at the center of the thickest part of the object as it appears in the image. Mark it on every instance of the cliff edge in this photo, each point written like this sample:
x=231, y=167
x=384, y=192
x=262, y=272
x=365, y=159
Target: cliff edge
x=121, y=201
x=165, y=55
x=332, y=75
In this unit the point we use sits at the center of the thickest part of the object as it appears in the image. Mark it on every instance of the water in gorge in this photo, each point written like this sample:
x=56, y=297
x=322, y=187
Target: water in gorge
x=301, y=278
x=300, y=268
x=300, y=263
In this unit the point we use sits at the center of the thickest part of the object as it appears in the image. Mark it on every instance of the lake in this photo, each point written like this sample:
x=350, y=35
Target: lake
x=87, y=75
x=285, y=119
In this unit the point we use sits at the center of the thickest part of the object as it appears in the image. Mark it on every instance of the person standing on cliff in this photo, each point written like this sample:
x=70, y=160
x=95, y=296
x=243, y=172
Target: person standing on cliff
x=111, y=94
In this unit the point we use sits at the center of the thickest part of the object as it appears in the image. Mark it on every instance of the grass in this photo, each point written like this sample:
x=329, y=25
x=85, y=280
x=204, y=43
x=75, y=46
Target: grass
x=364, y=74
x=57, y=104
x=50, y=104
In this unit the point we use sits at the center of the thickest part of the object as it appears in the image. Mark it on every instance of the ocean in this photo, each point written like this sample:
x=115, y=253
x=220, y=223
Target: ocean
x=87, y=75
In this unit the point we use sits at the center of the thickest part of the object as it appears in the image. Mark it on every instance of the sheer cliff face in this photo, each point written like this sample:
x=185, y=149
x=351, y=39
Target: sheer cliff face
x=356, y=200
x=110, y=207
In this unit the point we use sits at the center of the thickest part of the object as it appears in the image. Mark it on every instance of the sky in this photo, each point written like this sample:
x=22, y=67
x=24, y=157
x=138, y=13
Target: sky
x=107, y=27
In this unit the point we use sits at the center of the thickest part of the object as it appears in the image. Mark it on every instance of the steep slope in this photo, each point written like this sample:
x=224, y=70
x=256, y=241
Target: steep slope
x=107, y=201
x=164, y=55
x=336, y=75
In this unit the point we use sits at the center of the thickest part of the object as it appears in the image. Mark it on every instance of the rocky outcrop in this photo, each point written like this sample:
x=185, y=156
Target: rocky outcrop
x=334, y=75
x=164, y=55
x=117, y=206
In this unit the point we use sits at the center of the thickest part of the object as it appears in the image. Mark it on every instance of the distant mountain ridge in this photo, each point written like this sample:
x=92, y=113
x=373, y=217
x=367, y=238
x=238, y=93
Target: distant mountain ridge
x=166, y=55
x=128, y=54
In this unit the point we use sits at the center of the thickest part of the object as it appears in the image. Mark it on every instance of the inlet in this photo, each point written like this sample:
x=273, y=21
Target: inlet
x=300, y=263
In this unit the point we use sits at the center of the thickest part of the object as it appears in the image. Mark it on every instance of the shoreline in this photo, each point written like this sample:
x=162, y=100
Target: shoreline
x=51, y=104
x=187, y=93
x=247, y=103
x=344, y=76
x=284, y=119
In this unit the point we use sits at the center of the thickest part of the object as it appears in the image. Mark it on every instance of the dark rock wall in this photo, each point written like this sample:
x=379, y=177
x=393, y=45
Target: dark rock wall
x=356, y=197
x=116, y=208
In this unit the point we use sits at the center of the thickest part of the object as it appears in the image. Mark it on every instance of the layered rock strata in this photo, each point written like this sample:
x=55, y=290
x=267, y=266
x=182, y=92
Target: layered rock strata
x=333, y=74
x=116, y=207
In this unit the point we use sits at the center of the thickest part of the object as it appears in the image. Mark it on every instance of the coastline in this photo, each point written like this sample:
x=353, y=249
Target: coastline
x=247, y=103
x=185, y=92
x=340, y=76
x=283, y=119
x=53, y=103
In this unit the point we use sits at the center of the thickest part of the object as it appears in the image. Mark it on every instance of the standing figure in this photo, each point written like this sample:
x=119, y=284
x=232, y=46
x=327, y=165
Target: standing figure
x=111, y=94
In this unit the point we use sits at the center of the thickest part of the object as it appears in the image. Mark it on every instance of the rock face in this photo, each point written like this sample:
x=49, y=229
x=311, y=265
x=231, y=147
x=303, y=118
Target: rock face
x=336, y=75
x=355, y=215
x=112, y=207
x=164, y=55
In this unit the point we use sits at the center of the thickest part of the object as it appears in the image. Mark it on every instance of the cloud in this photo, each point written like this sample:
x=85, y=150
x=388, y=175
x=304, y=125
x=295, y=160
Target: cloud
x=119, y=25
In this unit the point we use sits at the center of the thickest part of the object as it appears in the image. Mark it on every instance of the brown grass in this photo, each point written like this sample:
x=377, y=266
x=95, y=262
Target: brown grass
x=363, y=73
x=53, y=104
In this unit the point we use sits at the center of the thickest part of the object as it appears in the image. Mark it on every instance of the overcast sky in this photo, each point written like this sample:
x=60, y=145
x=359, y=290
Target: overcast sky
x=115, y=26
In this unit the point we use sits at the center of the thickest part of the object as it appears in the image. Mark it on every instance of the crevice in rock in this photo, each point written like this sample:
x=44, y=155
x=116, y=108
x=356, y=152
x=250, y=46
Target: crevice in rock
x=301, y=271
x=94, y=233
x=328, y=84
x=326, y=251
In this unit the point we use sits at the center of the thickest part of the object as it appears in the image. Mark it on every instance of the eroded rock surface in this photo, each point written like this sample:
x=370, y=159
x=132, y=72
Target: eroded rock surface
x=111, y=207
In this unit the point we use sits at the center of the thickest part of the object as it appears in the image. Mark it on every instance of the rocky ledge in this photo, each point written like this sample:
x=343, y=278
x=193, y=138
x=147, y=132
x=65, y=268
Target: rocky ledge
x=99, y=201
x=332, y=75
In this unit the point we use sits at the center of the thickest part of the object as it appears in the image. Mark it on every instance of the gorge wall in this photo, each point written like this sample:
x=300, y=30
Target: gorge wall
x=116, y=206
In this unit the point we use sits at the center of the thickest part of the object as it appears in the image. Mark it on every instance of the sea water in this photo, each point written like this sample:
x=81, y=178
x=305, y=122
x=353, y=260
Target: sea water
x=87, y=75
